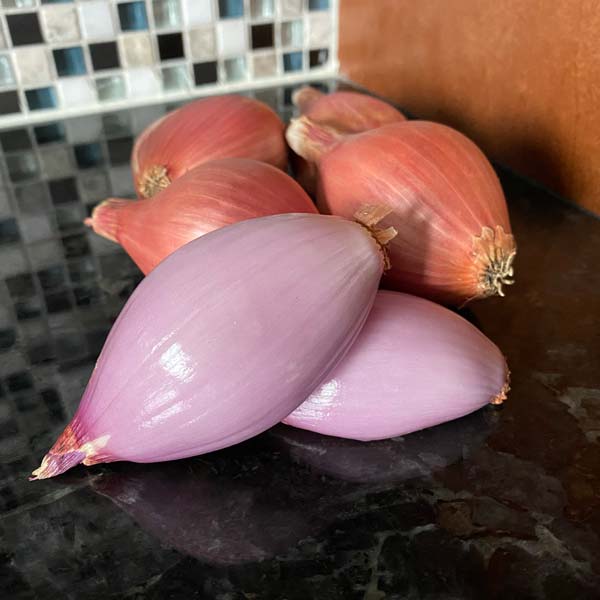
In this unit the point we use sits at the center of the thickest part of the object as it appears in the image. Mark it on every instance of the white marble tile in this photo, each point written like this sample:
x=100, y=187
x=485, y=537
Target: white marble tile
x=320, y=28
x=292, y=34
x=97, y=20
x=232, y=37
x=143, y=82
x=7, y=76
x=33, y=65
x=197, y=12
x=136, y=50
x=60, y=23
x=262, y=9
x=291, y=8
x=202, y=42
x=77, y=91
x=264, y=65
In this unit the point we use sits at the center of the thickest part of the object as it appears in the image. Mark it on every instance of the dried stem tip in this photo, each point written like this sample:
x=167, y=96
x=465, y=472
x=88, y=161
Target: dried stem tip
x=368, y=216
x=153, y=180
x=494, y=252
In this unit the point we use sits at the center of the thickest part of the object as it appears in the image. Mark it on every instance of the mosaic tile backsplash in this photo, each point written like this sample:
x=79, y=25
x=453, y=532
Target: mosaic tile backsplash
x=64, y=55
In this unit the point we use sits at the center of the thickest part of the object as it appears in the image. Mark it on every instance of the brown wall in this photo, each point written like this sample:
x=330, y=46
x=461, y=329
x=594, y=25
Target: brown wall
x=521, y=77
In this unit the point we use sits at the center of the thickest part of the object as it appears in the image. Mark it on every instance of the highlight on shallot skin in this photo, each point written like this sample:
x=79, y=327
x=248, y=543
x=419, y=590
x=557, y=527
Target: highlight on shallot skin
x=225, y=338
x=415, y=364
x=207, y=129
x=454, y=241
x=208, y=197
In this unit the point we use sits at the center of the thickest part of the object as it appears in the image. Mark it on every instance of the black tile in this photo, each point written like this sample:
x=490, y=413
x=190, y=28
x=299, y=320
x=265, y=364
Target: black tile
x=52, y=277
x=29, y=308
x=15, y=139
x=316, y=58
x=51, y=398
x=9, y=231
x=104, y=56
x=205, y=73
x=52, y=132
x=119, y=150
x=58, y=301
x=81, y=270
x=117, y=124
x=17, y=382
x=40, y=351
x=88, y=155
x=76, y=245
x=9, y=103
x=20, y=286
x=170, y=45
x=63, y=190
x=262, y=36
x=8, y=337
x=24, y=29
x=87, y=295
x=69, y=217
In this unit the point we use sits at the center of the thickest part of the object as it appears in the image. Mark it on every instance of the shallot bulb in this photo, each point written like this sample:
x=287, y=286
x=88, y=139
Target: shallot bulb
x=226, y=337
x=415, y=364
x=207, y=129
x=454, y=241
x=205, y=198
x=340, y=113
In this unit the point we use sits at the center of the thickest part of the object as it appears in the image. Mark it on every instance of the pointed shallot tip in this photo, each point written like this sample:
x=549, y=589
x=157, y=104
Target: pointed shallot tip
x=55, y=464
x=153, y=180
x=368, y=216
x=88, y=222
x=493, y=253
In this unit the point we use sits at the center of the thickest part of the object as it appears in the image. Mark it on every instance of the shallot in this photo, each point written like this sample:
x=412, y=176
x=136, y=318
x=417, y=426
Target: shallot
x=207, y=129
x=340, y=113
x=205, y=198
x=226, y=337
x=454, y=241
x=415, y=364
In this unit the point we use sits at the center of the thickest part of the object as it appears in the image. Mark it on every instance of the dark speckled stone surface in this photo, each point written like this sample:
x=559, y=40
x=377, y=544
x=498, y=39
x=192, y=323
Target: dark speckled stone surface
x=502, y=504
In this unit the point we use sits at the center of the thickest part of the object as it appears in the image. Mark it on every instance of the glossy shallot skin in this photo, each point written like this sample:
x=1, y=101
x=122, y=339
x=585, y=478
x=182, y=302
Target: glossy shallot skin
x=226, y=337
x=414, y=365
x=207, y=197
x=206, y=129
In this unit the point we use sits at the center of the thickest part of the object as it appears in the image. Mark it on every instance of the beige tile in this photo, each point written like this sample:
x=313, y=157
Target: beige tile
x=291, y=8
x=60, y=23
x=320, y=29
x=136, y=50
x=33, y=65
x=264, y=65
x=202, y=42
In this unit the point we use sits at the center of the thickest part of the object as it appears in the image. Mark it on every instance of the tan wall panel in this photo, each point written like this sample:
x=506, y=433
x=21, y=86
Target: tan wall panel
x=521, y=77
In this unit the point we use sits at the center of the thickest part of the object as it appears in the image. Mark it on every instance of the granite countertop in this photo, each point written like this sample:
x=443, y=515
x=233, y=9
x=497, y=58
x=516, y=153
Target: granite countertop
x=504, y=503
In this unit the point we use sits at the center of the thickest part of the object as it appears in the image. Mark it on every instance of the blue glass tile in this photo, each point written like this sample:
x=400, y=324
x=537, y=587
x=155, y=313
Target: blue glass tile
x=318, y=4
x=133, y=16
x=88, y=155
x=6, y=73
x=69, y=61
x=41, y=98
x=46, y=134
x=292, y=61
x=229, y=9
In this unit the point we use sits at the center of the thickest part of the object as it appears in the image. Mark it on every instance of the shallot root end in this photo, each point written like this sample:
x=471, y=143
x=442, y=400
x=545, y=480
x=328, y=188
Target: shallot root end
x=153, y=180
x=501, y=396
x=368, y=216
x=494, y=252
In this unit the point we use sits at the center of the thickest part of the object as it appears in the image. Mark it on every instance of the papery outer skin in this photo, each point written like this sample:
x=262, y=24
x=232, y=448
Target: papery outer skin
x=207, y=197
x=225, y=338
x=208, y=129
x=443, y=192
x=346, y=112
x=415, y=364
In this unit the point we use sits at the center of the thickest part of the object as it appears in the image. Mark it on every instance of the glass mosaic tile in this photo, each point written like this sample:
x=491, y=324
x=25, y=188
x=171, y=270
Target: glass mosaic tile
x=110, y=88
x=202, y=43
x=167, y=13
x=235, y=68
x=7, y=77
x=104, y=55
x=132, y=16
x=60, y=23
x=229, y=9
x=262, y=9
x=24, y=28
x=198, y=11
x=33, y=64
x=97, y=20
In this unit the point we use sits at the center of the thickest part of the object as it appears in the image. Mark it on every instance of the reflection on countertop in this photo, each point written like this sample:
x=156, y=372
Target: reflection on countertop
x=504, y=503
